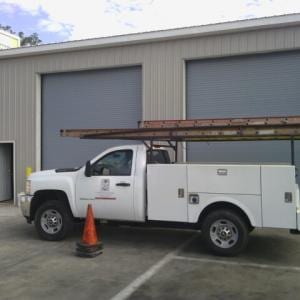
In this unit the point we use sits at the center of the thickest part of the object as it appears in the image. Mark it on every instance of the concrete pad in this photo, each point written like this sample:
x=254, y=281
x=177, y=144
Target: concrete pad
x=35, y=269
x=266, y=246
x=7, y=209
x=183, y=279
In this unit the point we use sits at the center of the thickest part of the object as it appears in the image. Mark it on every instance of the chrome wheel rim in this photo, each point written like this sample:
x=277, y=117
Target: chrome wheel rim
x=51, y=221
x=224, y=233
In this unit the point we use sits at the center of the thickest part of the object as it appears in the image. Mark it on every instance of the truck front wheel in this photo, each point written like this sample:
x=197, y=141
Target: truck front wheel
x=225, y=232
x=53, y=220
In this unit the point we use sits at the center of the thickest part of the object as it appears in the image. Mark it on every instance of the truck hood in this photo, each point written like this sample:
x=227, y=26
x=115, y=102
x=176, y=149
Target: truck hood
x=41, y=174
x=52, y=180
x=53, y=172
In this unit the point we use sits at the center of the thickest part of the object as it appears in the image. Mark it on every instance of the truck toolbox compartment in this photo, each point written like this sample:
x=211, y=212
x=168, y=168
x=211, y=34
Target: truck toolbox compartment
x=224, y=179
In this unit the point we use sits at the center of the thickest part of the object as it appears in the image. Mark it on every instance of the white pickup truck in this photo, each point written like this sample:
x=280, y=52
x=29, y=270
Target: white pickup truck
x=225, y=201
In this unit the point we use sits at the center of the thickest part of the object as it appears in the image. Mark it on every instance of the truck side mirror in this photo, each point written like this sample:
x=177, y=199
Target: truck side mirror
x=88, y=169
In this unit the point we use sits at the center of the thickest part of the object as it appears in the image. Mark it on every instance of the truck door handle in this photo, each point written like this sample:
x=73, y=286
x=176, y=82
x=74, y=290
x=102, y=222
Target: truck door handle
x=122, y=184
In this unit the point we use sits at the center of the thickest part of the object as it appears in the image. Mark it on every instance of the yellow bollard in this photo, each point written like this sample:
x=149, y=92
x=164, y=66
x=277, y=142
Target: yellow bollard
x=28, y=171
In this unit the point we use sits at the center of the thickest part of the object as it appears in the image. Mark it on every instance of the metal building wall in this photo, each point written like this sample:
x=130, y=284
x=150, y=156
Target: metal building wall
x=163, y=65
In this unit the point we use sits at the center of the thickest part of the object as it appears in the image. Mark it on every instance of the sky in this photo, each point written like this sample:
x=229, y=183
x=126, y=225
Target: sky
x=64, y=20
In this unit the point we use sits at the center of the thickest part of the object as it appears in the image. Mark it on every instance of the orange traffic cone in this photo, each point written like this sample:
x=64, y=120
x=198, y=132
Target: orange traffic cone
x=89, y=246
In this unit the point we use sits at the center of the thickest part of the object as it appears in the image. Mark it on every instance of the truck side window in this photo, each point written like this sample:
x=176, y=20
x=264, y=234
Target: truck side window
x=117, y=163
x=158, y=157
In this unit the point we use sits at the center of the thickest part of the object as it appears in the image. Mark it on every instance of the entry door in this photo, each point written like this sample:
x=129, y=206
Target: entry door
x=110, y=188
x=6, y=192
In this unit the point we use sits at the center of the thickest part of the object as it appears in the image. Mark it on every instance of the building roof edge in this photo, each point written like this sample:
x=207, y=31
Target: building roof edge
x=155, y=36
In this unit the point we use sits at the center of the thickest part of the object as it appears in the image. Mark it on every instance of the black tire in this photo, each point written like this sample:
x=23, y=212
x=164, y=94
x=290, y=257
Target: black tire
x=61, y=212
x=219, y=222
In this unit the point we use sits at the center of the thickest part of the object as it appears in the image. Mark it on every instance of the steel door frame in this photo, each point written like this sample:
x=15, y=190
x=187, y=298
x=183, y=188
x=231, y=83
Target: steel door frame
x=14, y=168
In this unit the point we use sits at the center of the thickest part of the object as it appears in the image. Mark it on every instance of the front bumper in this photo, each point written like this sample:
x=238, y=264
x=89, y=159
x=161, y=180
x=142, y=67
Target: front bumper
x=24, y=202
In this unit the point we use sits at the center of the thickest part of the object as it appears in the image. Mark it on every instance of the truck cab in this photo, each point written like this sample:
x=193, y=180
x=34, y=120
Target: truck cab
x=140, y=184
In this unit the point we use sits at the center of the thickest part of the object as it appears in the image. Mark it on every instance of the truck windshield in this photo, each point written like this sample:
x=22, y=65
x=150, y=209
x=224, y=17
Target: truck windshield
x=158, y=157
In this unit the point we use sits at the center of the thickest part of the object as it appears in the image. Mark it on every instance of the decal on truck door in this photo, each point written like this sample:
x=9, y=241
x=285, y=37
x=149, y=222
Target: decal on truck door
x=105, y=193
x=105, y=185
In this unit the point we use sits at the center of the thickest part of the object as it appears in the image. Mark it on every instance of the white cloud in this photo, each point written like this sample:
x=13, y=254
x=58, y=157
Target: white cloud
x=94, y=18
x=30, y=6
x=56, y=27
x=7, y=8
x=50, y=26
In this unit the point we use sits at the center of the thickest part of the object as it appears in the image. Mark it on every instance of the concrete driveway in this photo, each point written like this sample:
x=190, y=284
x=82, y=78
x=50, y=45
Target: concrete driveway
x=144, y=263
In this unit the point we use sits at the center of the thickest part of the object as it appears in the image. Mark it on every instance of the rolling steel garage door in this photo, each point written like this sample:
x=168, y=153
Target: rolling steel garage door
x=109, y=98
x=244, y=86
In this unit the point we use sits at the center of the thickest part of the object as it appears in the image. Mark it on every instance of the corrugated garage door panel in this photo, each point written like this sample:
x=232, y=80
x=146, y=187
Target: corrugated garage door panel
x=258, y=85
x=92, y=99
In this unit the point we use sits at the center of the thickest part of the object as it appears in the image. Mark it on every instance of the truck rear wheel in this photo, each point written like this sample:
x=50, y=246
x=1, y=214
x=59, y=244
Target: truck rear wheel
x=53, y=220
x=225, y=232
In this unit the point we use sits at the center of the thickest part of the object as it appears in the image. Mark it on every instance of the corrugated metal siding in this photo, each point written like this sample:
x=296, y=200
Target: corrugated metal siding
x=163, y=78
x=108, y=98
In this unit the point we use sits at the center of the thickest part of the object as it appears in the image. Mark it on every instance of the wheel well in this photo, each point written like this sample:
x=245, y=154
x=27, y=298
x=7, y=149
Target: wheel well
x=43, y=196
x=223, y=205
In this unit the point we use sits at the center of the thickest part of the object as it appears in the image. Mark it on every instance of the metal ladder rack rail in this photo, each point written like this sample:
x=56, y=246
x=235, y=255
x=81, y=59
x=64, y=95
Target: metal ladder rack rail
x=203, y=123
x=201, y=130
x=234, y=129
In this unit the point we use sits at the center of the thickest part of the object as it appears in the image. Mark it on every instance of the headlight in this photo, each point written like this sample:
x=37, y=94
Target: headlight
x=28, y=187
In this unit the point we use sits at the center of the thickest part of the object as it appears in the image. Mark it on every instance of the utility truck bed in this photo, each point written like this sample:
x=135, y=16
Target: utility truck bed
x=180, y=192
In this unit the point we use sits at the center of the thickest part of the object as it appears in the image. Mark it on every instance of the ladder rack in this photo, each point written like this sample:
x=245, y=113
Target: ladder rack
x=231, y=129
x=201, y=130
x=204, y=123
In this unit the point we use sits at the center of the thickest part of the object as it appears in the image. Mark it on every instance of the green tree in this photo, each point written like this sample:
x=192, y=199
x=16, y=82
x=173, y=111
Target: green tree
x=30, y=40
x=7, y=28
